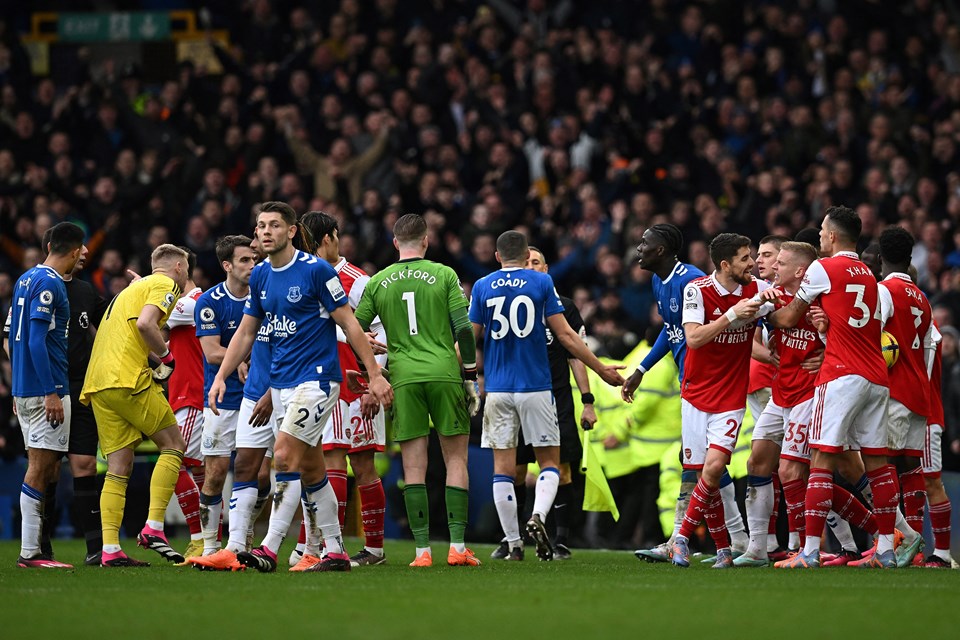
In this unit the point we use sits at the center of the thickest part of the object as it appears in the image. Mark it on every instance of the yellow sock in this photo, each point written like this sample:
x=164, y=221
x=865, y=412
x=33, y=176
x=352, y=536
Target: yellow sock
x=162, y=482
x=112, y=500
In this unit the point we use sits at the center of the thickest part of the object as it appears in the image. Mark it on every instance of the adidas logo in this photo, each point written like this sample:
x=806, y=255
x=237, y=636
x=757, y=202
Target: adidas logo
x=793, y=447
x=716, y=311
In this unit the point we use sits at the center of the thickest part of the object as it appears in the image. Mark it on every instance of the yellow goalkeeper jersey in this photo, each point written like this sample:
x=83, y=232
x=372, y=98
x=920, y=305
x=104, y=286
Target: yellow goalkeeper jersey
x=119, y=357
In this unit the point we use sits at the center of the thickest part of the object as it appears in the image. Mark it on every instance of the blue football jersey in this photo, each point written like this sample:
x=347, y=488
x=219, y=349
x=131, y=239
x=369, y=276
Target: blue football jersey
x=39, y=304
x=258, y=377
x=297, y=299
x=218, y=313
x=669, y=295
x=512, y=305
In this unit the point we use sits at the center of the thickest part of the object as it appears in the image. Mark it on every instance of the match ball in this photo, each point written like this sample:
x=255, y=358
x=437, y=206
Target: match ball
x=889, y=348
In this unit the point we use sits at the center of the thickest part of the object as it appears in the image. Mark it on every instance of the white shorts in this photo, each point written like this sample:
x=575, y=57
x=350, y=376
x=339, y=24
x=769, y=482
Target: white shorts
x=262, y=437
x=757, y=402
x=504, y=414
x=354, y=433
x=850, y=411
x=769, y=423
x=306, y=409
x=906, y=430
x=38, y=433
x=190, y=423
x=932, y=454
x=701, y=431
x=219, y=433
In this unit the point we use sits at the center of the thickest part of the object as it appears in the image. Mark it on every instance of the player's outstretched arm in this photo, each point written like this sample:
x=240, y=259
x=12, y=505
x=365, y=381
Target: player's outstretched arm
x=237, y=352
x=572, y=342
x=787, y=317
x=376, y=383
x=700, y=334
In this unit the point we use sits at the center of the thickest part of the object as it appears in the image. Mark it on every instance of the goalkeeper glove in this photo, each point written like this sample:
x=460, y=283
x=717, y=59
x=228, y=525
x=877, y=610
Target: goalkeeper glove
x=164, y=370
x=471, y=391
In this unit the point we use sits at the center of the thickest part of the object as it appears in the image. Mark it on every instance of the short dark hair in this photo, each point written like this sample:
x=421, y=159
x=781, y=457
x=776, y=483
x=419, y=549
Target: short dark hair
x=191, y=261
x=896, y=246
x=808, y=235
x=775, y=240
x=725, y=247
x=533, y=248
x=845, y=222
x=670, y=236
x=63, y=238
x=228, y=244
x=512, y=246
x=314, y=227
x=410, y=227
x=286, y=211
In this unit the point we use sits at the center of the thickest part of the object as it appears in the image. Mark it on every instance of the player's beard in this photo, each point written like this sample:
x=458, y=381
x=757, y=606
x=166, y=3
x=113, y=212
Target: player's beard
x=744, y=278
x=279, y=244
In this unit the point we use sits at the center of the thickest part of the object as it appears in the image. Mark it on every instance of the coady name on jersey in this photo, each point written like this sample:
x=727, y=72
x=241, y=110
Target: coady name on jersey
x=508, y=282
x=416, y=274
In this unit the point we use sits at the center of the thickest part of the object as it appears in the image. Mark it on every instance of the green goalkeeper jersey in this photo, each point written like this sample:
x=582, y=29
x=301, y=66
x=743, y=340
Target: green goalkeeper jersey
x=415, y=299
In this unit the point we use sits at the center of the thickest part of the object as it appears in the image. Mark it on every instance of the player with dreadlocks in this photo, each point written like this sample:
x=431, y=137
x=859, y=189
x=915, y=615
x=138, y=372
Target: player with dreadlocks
x=657, y=252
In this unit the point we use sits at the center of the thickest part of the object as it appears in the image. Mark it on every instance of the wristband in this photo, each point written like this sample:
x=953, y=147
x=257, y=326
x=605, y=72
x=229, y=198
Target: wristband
x=167, y=358
x=642, y=369
x=730, y=315
x=586, y=398
x=470, y=374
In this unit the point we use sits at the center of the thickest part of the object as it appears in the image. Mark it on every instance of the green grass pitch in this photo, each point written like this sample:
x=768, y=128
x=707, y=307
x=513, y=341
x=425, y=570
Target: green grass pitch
x=597, y=594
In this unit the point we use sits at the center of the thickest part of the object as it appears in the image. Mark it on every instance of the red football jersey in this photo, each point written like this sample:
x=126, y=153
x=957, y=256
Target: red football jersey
x=717, y=374
x=905, y=313
x=794, y=385
x=185, y=388
x=354, y=280
x=847, y=292
x=761, y=375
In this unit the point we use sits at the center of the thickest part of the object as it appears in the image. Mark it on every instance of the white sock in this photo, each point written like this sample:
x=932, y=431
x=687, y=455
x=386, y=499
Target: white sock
x=772, y=542
x=812, y=545
x=734, y=521
x=459, y=547
x=156, y=525
x=320, y=517
x=422, y=550
x=286, y=499
x=242, y=502
x=884, y=542
x=943, y=554
x=505, y=499
x=210, y=509
x=794, y=540
x=376, y=551
x=546, y=491
x=841, y=529
x=683, y=501
x=31, y=510
x=759, y=508
x=909, y=534
x=311, y=533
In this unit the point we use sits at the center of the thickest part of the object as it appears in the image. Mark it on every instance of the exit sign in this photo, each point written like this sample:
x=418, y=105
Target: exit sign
x=113, y=27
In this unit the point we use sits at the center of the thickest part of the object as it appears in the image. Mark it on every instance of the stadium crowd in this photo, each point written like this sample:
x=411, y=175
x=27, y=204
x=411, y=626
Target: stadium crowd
x=580, y=124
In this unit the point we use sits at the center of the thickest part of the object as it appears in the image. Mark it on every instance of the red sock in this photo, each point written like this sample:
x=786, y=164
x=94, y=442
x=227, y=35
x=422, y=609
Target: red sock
x=189, y=498
x=914, y=497
x=700, y=502
x=886, y=497
x=794, y=494
x=372, y=508
x=940, y=524
x=302, y=538
x=818, y=500
x=717, y=523
x=199, y=475
x=852, y=510
x=772, y=527
x=338, y=480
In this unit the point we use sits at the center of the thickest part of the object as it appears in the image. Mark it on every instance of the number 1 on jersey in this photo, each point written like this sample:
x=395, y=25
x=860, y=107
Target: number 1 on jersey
x=408, y=297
